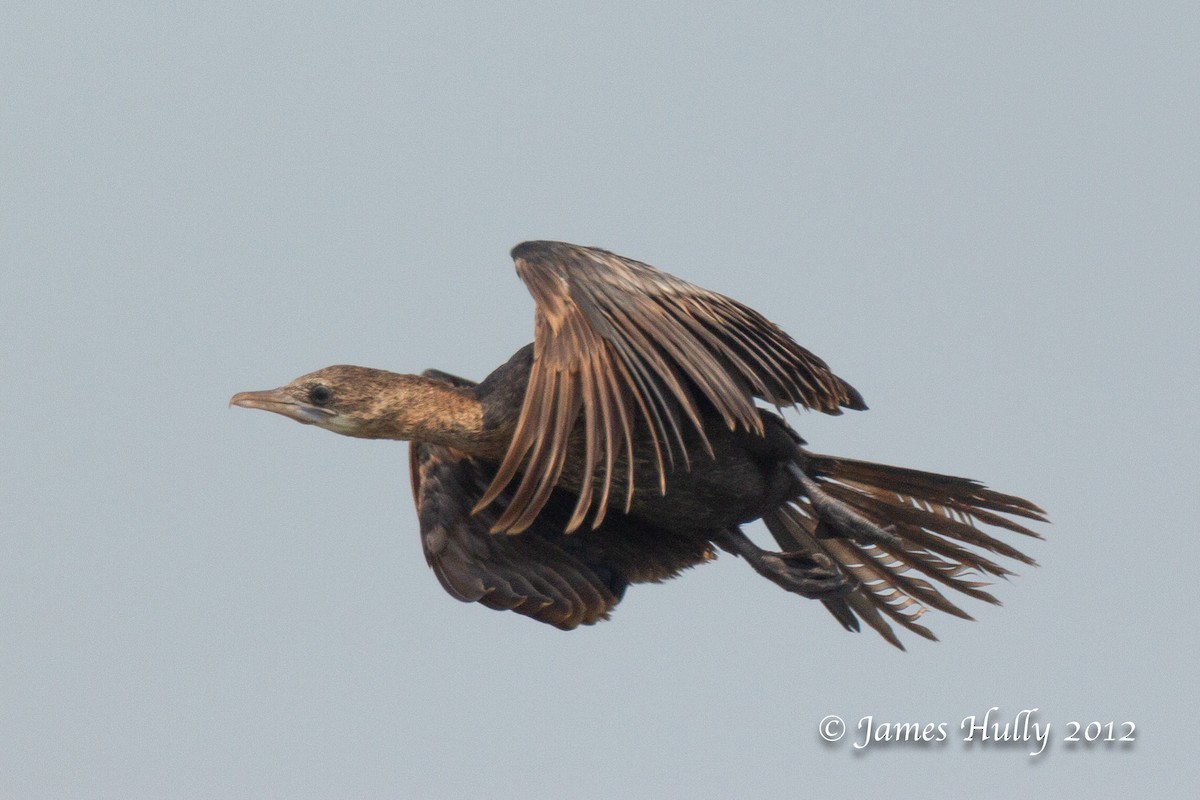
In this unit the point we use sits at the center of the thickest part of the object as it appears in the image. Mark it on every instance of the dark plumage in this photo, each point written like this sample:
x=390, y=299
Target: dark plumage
x=625, y=445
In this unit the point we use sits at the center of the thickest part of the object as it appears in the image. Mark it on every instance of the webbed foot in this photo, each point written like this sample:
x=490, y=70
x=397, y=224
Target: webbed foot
x=804, y=573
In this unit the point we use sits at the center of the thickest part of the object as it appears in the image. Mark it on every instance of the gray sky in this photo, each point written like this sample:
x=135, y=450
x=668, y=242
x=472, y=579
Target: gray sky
x=985, y=218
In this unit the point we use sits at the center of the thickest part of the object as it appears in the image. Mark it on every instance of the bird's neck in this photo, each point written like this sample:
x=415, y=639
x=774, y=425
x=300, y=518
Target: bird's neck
x=416, y=408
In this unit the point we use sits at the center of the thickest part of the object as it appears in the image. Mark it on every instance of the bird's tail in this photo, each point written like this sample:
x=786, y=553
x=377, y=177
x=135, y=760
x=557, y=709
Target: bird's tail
x=898, y=532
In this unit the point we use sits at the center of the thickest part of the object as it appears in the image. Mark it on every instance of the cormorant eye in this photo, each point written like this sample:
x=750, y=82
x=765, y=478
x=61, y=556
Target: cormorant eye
x=320, y=394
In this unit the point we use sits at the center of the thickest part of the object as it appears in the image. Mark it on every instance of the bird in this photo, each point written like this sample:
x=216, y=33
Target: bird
x=635, y=437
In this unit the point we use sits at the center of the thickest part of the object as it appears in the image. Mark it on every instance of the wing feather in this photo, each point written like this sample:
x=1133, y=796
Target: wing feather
x=527, y=574
x=632, y=351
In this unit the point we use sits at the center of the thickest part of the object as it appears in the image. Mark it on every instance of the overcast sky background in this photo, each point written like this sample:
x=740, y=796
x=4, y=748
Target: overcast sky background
x=984, y=217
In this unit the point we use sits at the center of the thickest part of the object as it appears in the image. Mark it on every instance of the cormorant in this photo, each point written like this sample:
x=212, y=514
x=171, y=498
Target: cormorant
x=625, y=444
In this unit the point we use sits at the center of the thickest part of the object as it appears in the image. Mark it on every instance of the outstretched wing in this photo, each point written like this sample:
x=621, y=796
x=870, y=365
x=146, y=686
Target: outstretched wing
x=528, y=574
x=630, y=348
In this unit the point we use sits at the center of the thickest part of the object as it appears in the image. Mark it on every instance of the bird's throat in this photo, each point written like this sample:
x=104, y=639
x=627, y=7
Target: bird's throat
x=416, y=408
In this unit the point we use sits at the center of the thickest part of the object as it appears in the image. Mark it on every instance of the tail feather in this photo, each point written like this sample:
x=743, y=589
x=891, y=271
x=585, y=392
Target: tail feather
x=934, y=519
x=964, y=494
x=794, y=530
x=931, y=530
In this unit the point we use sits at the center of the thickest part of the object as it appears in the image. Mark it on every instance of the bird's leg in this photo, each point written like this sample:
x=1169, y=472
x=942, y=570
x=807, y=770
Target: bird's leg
x=836, y=519
x=807, y=574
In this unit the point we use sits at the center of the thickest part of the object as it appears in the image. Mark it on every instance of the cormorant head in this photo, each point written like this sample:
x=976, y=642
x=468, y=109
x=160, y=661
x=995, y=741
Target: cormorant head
x=344, y=399
x=372, y=404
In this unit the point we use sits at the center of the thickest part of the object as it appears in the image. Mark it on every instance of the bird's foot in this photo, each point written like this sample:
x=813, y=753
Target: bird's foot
x=836, y=520
x=808, y=574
